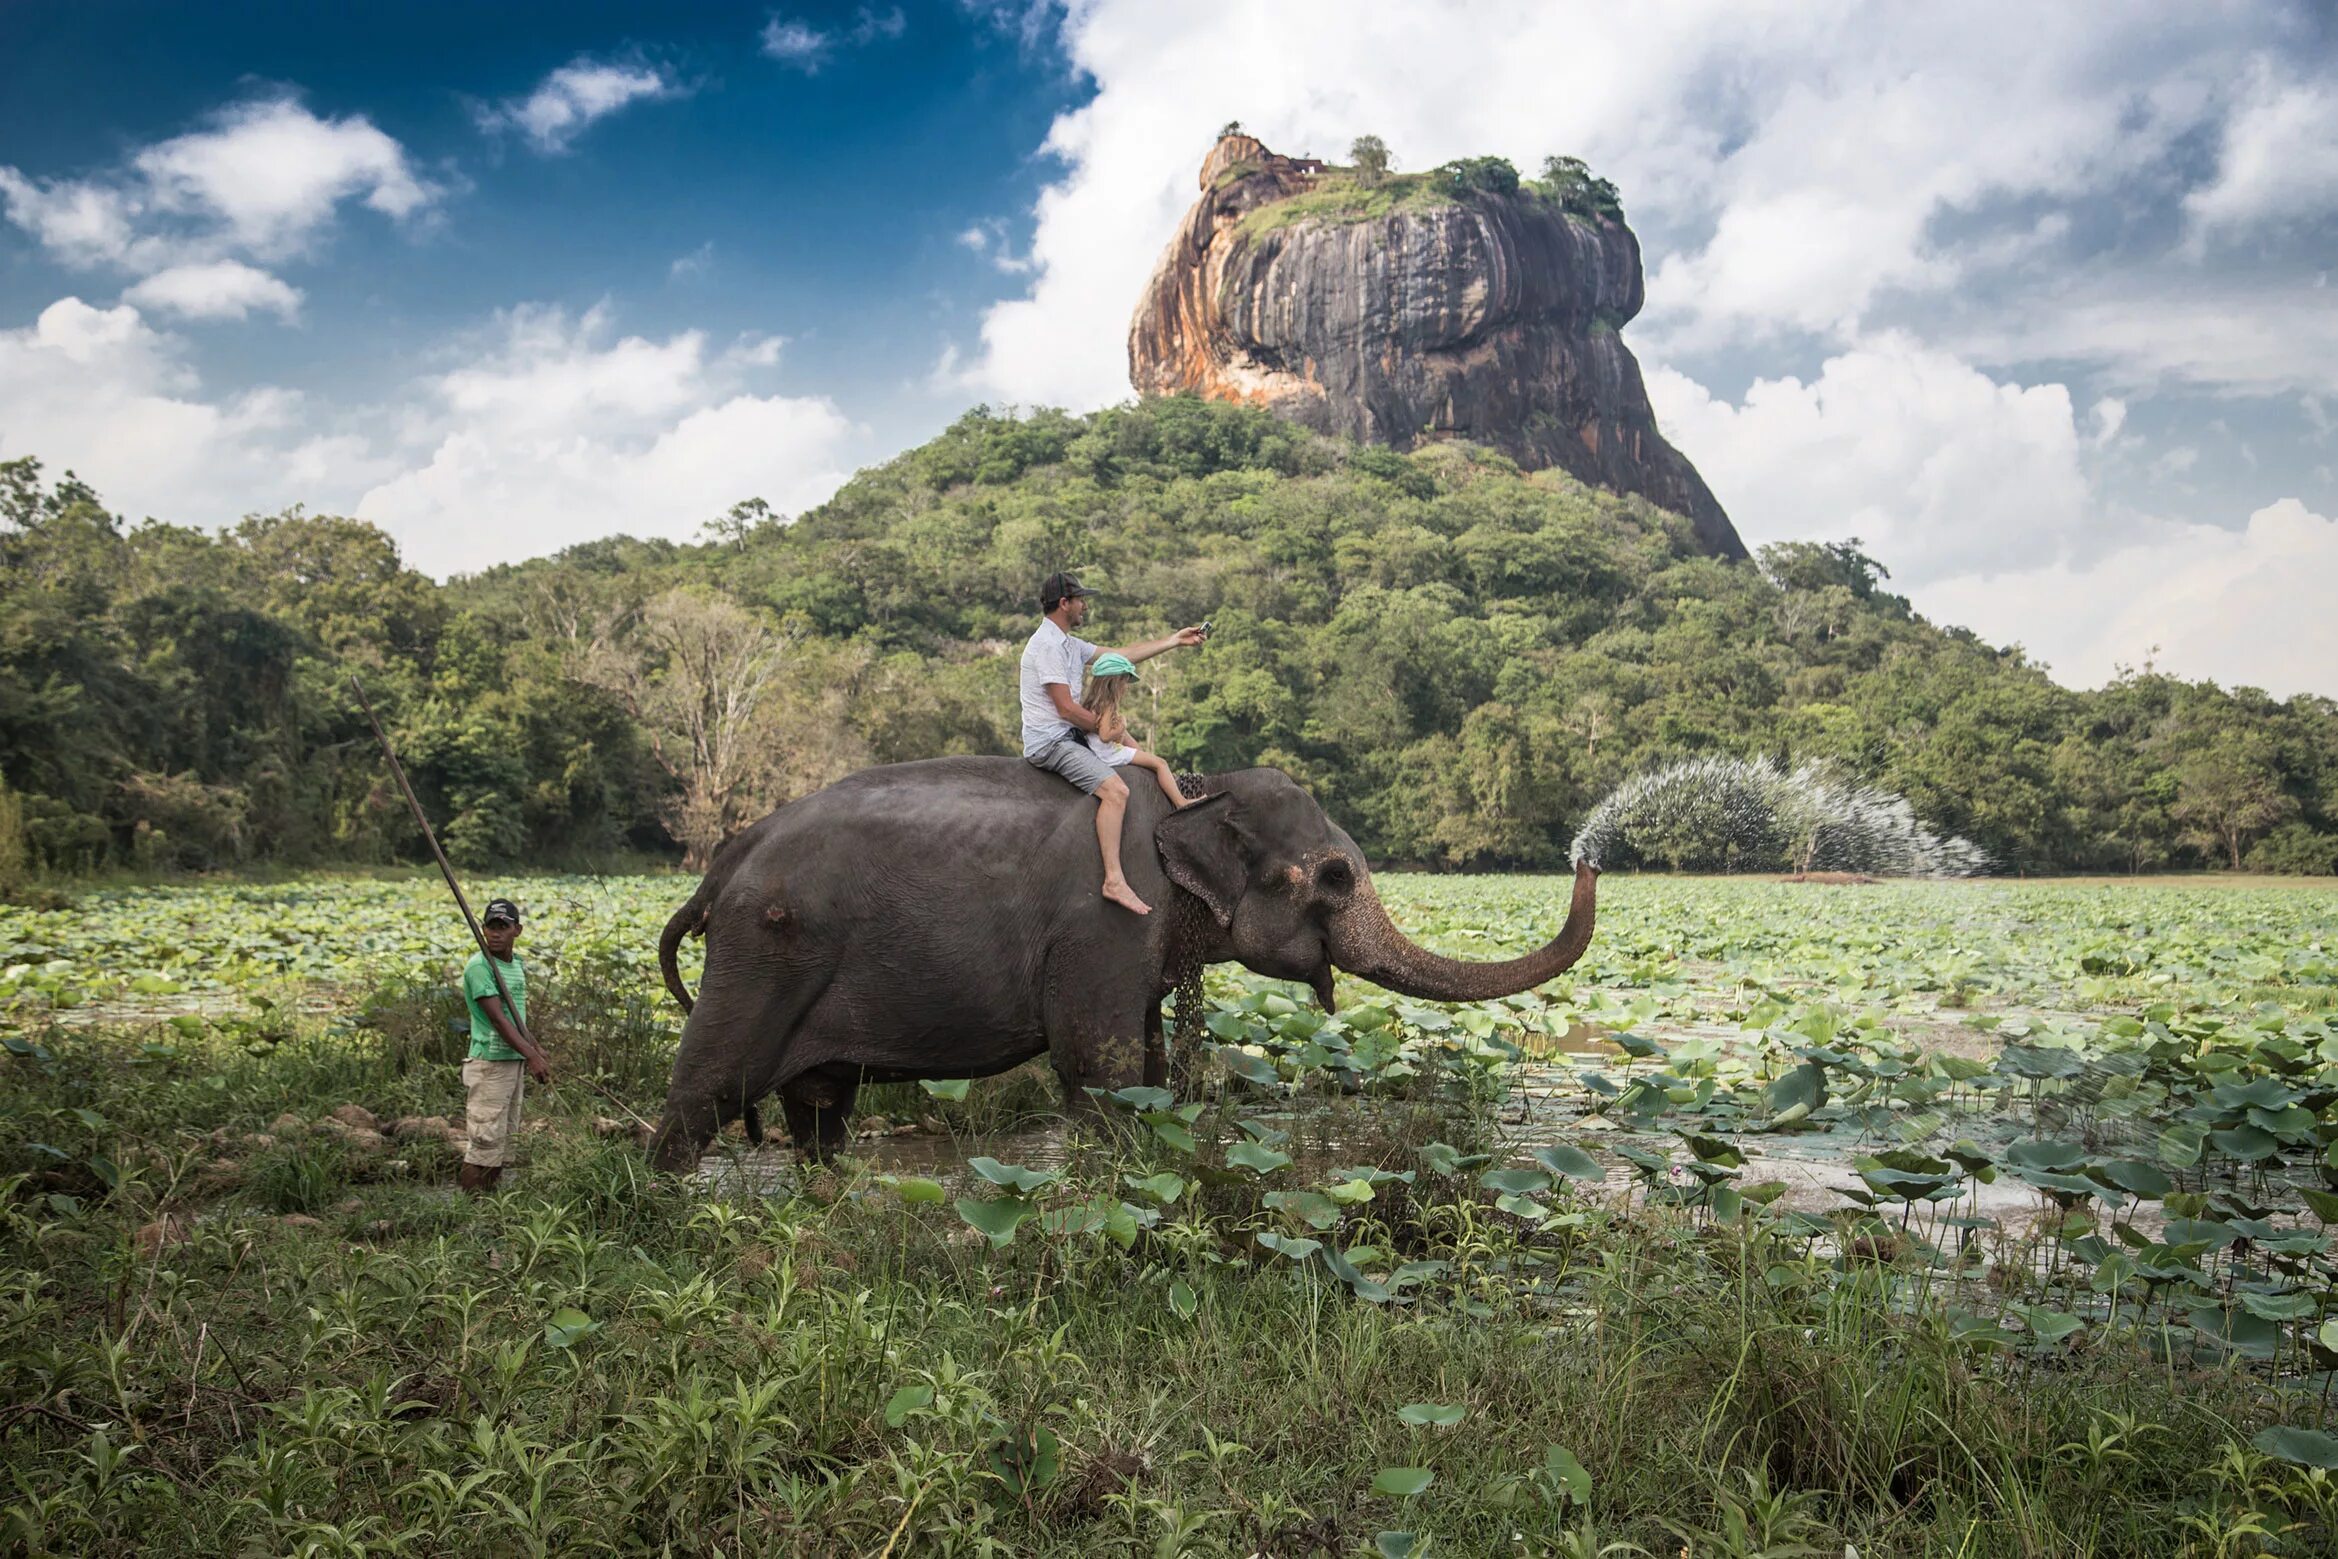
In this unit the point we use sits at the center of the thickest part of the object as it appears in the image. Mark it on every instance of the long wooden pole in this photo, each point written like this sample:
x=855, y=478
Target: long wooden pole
x=446, y=870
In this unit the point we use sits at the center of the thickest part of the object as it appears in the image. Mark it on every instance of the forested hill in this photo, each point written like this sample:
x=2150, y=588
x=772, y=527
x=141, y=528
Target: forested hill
x=1458, y=659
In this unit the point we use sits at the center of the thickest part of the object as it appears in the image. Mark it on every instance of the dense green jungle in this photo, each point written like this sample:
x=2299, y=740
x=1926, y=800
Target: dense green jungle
x=1457, y=658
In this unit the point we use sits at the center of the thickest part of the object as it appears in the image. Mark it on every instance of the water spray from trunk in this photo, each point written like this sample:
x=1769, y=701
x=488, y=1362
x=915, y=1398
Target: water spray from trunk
x=1750, y=815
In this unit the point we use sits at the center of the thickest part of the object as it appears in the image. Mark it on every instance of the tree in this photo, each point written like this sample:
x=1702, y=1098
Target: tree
x=741, y=521
x=1230, y=127
x=1474, y=175
x=691, y=669
x=1370, y=155
x=2228, y=791
x=1570, y=182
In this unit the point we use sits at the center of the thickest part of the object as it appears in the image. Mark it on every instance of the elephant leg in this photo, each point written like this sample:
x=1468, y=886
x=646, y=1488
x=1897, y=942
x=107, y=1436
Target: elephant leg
x=818, y=1106
x=1156, y=1049
x=733, y=1048
x=1098, y=1042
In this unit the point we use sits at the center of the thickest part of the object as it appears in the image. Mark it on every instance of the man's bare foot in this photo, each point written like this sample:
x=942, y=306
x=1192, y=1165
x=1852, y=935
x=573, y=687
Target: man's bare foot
x=1119, y=892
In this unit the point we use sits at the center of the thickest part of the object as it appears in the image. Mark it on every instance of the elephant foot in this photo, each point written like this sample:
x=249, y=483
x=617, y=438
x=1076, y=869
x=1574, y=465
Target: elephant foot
x=819, y=1113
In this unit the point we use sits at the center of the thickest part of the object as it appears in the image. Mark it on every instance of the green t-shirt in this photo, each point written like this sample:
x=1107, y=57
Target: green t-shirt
x=486, y=1044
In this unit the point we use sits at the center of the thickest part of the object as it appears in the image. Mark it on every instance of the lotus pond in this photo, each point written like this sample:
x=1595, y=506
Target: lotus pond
x=1958, y=1217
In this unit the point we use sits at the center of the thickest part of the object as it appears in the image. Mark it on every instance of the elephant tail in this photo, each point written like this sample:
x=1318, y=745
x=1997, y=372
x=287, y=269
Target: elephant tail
x=689, y=920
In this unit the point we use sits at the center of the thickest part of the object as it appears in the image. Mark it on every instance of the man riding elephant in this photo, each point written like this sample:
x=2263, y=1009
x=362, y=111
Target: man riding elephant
x=1055, y=726
x=941, y=920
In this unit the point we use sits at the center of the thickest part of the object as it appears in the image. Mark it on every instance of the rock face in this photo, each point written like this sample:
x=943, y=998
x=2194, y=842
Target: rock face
x=1491, y=317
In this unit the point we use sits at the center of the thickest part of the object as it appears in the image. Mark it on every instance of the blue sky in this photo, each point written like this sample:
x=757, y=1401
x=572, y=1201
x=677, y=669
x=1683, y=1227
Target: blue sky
x=2033, y=300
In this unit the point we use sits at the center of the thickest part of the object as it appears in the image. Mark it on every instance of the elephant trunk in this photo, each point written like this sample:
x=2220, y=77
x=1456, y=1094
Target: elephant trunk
x=1364, y=941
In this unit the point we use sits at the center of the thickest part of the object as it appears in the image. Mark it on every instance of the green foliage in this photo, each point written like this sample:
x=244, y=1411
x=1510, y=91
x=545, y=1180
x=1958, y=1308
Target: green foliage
x=1466, y=176
x=1569, y=183
x=14, y=854
x=1371, y=159
x=1458, y=659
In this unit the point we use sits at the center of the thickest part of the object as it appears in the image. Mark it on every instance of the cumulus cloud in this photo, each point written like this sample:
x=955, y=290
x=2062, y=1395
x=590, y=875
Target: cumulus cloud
x=807, y=48
x=2247, y=607
x=261, y=178
x=558, y=430
x=215, y=289
x=1938, y=468
x=546, y=430
x=99, y=391
x=1975, y=494
x=270, y=173
x=2279, y=162
x=571, y=99
x=80, y=223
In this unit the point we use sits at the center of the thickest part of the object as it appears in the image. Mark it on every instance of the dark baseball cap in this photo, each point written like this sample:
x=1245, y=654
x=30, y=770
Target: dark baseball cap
x=1055, y=589
x=499, y=909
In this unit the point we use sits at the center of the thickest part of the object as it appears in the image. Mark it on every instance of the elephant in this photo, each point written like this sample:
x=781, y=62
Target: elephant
x=943, y=919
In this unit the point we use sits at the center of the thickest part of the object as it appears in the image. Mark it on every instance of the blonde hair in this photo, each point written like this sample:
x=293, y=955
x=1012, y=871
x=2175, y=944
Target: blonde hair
x=1104, y=695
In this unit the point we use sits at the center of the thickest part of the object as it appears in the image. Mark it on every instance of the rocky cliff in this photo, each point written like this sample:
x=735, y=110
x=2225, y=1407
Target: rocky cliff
x=1399, y=314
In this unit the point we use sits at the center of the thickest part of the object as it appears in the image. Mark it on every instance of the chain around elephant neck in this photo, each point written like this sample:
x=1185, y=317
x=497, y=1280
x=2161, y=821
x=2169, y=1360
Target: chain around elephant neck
x=1188, y=938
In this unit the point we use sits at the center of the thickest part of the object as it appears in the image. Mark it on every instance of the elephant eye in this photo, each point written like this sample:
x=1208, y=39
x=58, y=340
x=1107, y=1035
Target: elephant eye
x=1335, y=876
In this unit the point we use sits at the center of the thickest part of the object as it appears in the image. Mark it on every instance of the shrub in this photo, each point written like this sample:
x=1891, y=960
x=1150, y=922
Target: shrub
x=2295, y=850
x=422, y=1021
x=1478, y=175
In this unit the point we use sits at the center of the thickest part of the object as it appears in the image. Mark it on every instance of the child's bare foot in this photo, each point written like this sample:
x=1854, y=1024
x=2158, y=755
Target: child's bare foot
x=1119, y=892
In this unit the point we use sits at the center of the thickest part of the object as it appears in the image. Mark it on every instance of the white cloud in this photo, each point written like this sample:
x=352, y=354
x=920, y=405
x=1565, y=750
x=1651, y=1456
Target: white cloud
x=544, y=431
x=2242, y=336
x=796, y=43
x=2279, y=161
x=2246, y=608
x=695, y=263
x=81, y=224
x=558, y=431
x=262, y=178
x=1938, y=468
x=988, y=238
x=807, y=48
x=272, y=173
x=1791, y=167
x=215, y=289
x=1974, y=494
x=870, y=24
x=100, y=392
x=568, y=101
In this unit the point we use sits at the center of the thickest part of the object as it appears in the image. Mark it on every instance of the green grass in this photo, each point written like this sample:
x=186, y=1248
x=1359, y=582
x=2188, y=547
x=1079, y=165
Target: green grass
x=1337, y=200
x=1146, y=1353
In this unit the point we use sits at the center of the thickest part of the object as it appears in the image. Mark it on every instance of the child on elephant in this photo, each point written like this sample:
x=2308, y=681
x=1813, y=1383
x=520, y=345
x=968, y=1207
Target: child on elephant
x=1110, y=676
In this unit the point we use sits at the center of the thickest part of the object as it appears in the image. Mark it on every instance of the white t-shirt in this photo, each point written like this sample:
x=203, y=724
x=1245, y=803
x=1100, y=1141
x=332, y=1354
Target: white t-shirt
x=1118, y=756
x=1052, y=656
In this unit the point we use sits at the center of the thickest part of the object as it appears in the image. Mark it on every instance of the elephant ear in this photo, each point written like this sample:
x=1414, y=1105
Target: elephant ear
x=1202, y=853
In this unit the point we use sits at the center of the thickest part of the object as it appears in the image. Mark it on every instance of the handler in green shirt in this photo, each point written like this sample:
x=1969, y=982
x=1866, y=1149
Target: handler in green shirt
x=502, y=1056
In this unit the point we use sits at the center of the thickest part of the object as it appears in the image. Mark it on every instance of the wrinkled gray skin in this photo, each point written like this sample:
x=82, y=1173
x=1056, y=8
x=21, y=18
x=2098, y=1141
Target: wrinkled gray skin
x=942, y=919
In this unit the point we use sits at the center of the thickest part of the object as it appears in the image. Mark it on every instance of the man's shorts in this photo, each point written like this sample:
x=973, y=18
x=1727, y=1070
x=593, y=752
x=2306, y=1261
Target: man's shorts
x=492, y=1110
x=1075, y=760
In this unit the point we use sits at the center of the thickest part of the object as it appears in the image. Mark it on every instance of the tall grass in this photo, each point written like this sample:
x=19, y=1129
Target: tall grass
x=606, y=1359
